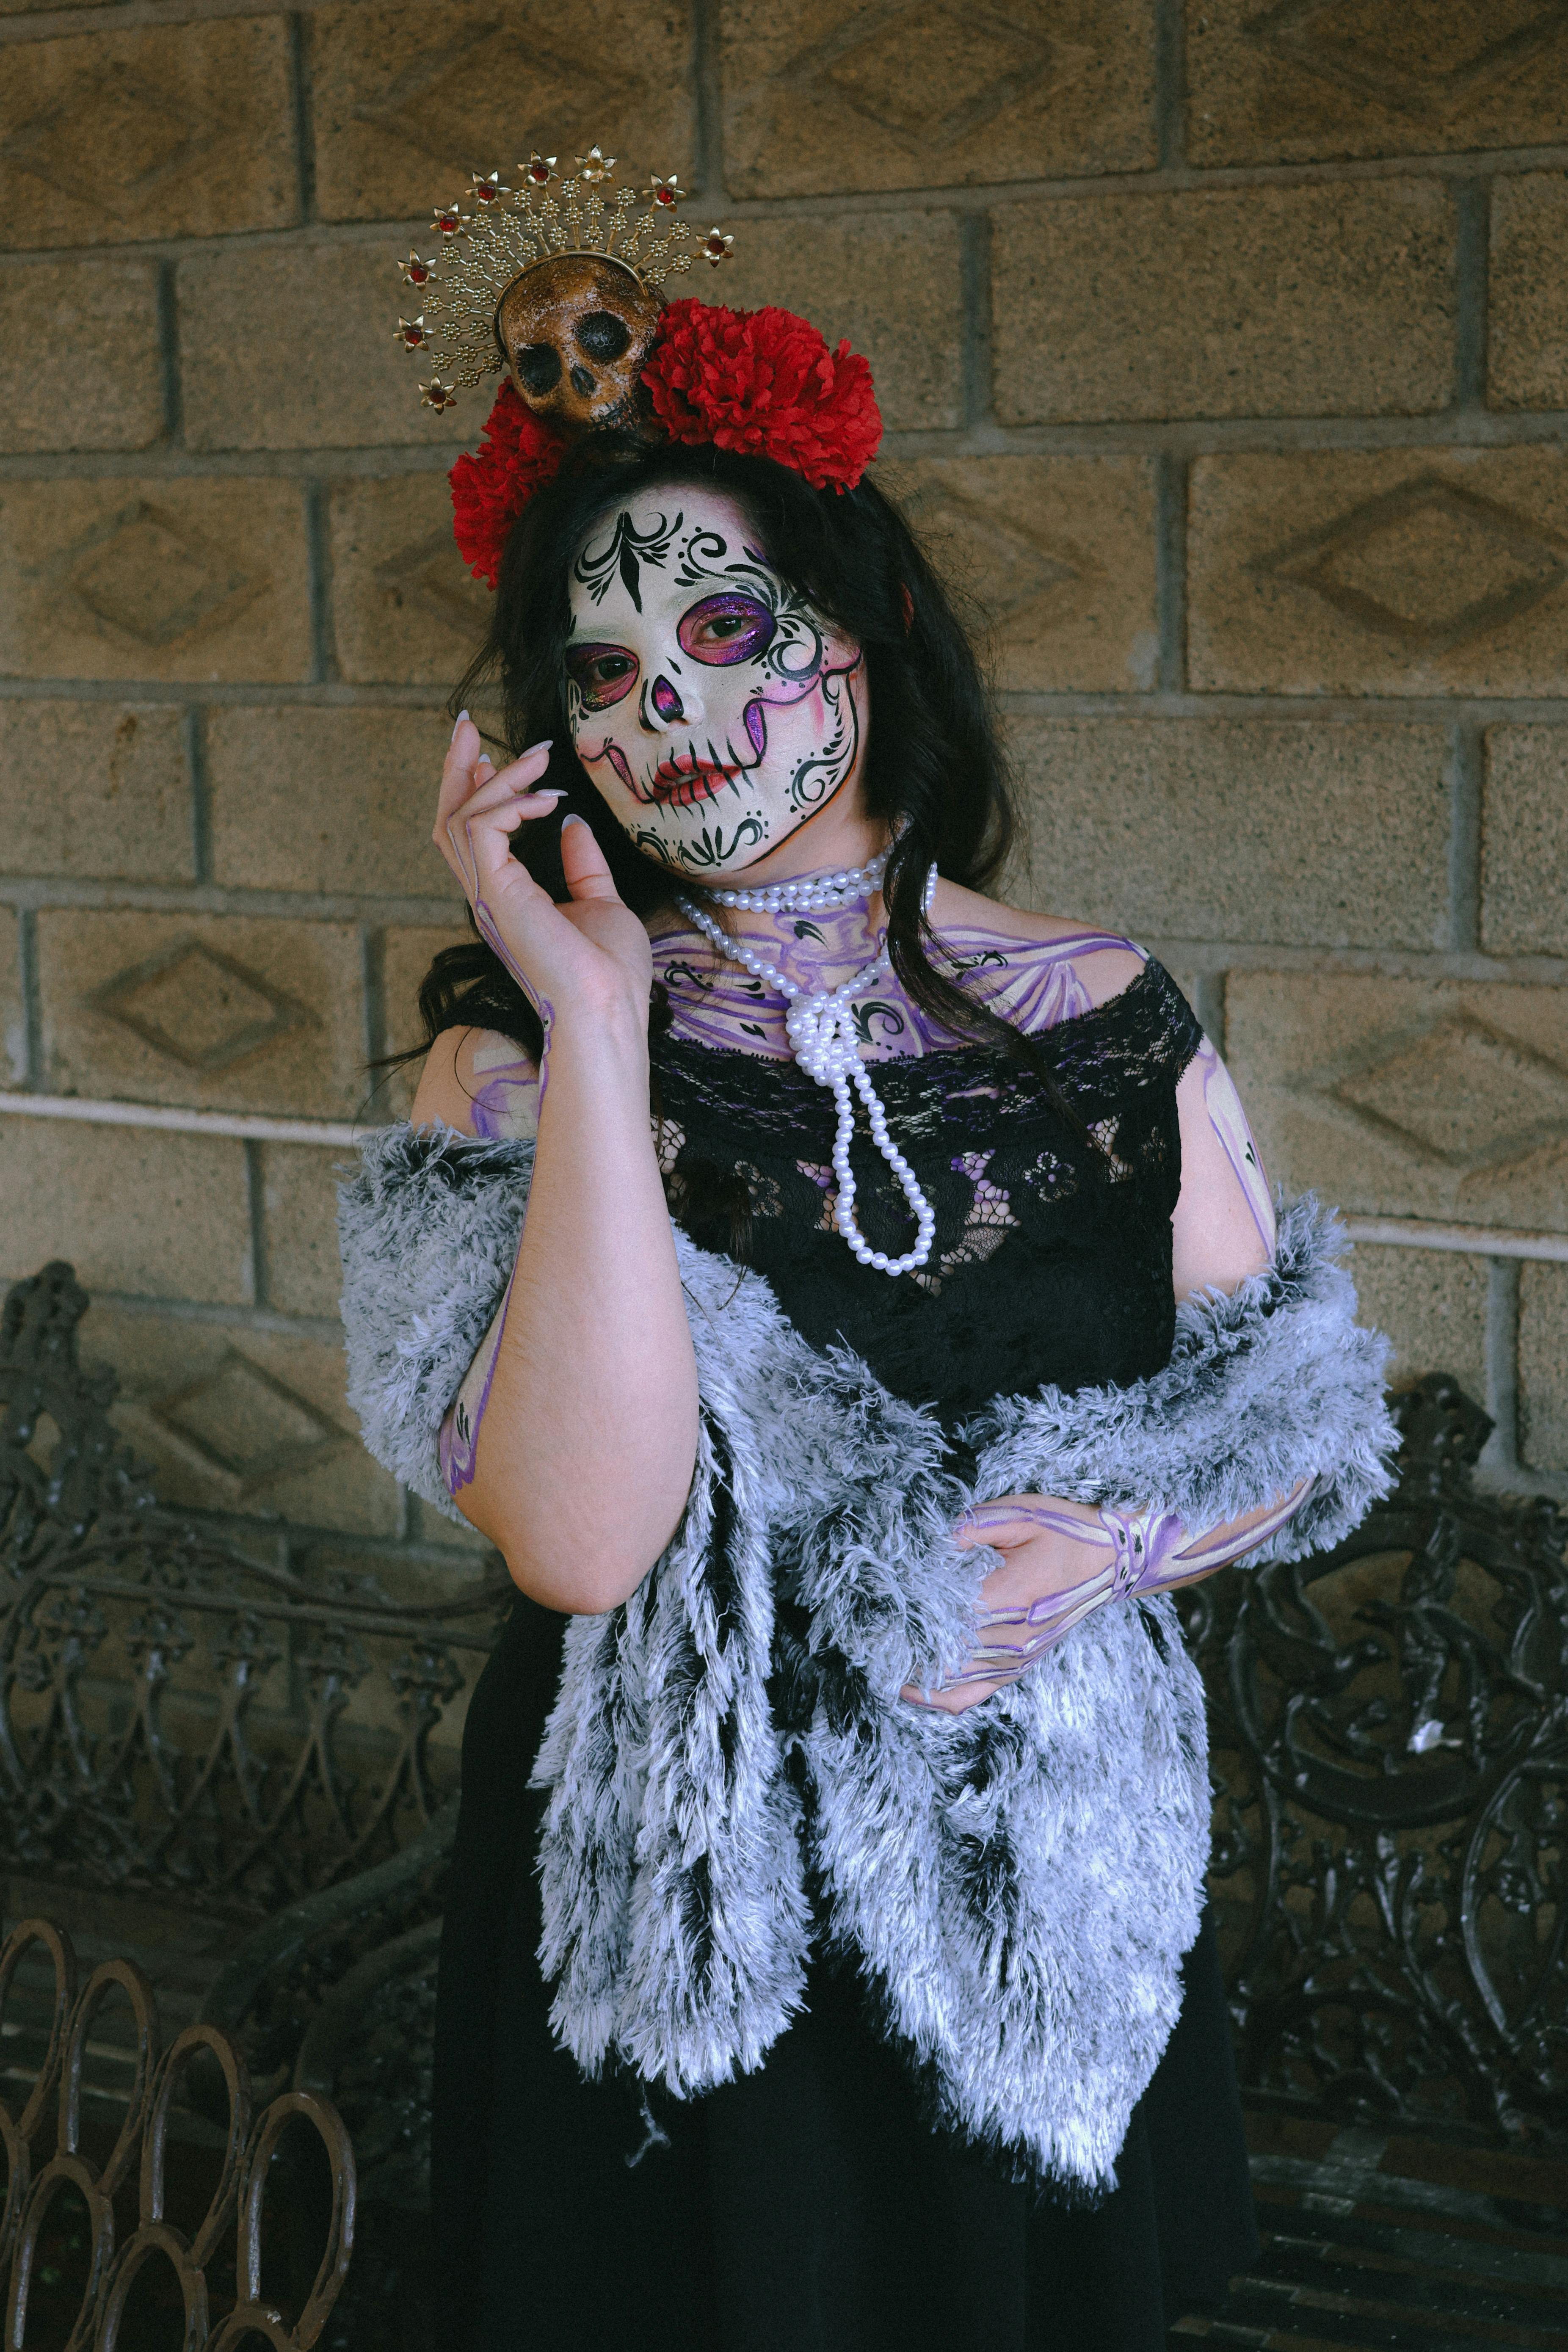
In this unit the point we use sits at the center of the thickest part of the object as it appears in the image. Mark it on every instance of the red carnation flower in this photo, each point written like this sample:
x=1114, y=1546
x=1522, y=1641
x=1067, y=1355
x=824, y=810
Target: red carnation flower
x=492, y=486
x=764, y=382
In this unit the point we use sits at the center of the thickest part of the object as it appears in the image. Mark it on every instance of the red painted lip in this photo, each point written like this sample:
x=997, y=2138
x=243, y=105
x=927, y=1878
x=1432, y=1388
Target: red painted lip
x=674, y=785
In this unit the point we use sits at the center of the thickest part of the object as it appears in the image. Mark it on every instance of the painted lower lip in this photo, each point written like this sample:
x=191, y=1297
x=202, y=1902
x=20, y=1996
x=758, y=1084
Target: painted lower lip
x=691, y=784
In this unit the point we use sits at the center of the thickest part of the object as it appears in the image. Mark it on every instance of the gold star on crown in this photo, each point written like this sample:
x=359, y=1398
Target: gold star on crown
x=478, y=253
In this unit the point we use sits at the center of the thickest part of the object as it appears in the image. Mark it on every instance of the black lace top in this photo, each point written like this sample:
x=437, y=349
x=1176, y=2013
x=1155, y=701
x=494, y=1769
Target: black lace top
x=1052, y=1256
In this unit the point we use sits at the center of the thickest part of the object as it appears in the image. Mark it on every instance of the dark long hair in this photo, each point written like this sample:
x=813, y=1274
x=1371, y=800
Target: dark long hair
x=933, y=767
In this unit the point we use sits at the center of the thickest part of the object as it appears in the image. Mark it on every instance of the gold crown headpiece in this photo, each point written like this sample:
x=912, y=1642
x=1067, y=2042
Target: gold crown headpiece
x=483, y=251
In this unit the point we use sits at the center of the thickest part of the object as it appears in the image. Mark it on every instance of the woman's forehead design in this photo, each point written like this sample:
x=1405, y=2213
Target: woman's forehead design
x=662, y=545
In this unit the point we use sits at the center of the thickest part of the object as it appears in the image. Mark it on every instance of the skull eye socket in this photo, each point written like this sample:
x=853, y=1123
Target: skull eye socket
x=725, y=629
x=602, y=335
x=602, y=674
x=539, y=366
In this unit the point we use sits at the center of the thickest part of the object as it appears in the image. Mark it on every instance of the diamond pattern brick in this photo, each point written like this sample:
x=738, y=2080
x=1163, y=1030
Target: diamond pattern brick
x=1304, y=78
x=168, y=131
x=1408, y=1097
x=1384, y=571
x=408, y=100
x=408, y=610
x=821, y=98
x=224, y=1013
x=1055, y=554
x=234, y=1418
x=189, y=580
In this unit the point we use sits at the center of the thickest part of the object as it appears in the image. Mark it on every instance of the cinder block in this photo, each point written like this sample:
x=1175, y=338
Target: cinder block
x=1295, y=302
x=222, y=1012
x=99, y=791
x=1524, y=842
x=80, y=366
x=1387, y=571
x=407, y=609
x=164, y=131
x=1277, y=830
x=230, y=1418
x=407, y=955
x=248, y=316
x=889, y=281
x=819, y=100
x=1286, y=84
x=338, y=800
x=1527, y=323
x=1055, y=555
x=1433, y=1306
x=408, y=101
x=154, y=580
x=1544, y=1366
x=13, y=1011
x=300, y=1190
x=1446, y=1100
x=133, y=1209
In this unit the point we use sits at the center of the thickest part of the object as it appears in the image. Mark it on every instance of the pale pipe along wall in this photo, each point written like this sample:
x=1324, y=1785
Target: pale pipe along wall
x=1223, y=356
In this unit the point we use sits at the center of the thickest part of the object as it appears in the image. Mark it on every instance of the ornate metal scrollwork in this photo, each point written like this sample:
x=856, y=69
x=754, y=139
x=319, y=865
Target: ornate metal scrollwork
x=109, y=2274
x=176, y=1709
x=1389, y=1733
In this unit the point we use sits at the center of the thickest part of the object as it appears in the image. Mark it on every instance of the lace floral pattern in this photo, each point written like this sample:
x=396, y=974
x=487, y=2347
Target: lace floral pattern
x=1052, y=1256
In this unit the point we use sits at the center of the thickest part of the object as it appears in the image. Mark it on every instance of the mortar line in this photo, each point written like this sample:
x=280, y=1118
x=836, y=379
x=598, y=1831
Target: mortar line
x=373, y=988
x=36, y=1079
x=325, y=670
x=301, y=110
x=1208, y=1003
x=1170, y=569
x=1501, y=1453
x=974, y=280
x=708, y=102
x=201, y=795
x=256, y=1205
x=169, y=357
x=1472, y=204
x=1170, y=84
x=1466, y=762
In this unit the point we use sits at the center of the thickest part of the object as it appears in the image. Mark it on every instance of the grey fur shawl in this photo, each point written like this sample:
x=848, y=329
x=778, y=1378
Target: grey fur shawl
x=1017, y=1883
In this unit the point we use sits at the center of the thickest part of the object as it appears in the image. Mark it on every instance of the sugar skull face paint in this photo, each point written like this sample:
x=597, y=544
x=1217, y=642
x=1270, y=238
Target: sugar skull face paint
x=714, y=710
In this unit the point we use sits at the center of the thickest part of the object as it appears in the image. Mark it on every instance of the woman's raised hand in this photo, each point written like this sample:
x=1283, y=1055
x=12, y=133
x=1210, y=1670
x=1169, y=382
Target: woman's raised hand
x=592, y=954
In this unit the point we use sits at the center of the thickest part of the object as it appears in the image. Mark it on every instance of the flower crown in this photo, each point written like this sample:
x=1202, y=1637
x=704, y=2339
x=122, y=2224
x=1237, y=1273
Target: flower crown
x=564, y=294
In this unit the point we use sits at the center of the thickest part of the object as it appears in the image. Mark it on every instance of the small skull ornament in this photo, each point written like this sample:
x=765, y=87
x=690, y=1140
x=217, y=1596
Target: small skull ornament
x=576, y=332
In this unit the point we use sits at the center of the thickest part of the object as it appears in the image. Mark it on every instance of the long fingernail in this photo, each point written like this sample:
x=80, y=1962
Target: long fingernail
x=573, y=819
x=544, y=744
x=457, y=723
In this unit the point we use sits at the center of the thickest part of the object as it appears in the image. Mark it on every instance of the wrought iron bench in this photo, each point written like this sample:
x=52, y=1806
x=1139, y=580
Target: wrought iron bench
x=1390, y=1740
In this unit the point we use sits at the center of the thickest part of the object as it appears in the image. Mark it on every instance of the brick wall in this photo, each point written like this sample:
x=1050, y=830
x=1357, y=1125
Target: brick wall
x=1223, y=355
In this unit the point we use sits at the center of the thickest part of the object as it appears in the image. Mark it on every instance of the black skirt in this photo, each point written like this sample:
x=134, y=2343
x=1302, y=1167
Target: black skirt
x=806, y=2207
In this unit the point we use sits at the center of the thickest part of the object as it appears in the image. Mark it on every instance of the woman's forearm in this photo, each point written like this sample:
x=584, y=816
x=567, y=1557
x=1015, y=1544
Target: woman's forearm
x=575, y=1436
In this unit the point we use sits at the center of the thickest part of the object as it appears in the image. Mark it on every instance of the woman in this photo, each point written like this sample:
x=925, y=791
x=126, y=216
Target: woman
x=817, y=1981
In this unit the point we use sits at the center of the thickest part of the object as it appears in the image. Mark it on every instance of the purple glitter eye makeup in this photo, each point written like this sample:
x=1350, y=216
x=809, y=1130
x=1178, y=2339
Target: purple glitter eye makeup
x=602, y=674
x=726, y=628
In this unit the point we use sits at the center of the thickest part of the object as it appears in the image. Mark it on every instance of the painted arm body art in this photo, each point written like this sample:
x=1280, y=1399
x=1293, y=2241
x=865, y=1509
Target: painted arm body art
x=462, y=840
x=1141, y=1552
x=1228, y=1120
x=459, y=1442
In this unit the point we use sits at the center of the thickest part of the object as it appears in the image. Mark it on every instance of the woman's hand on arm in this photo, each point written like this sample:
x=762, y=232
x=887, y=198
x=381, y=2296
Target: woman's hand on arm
x=580, y=1409
x=1061, y=1560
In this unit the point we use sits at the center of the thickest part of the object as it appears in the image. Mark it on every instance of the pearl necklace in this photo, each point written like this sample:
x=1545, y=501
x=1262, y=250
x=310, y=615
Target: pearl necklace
x=821, y=1030
x=812, y=892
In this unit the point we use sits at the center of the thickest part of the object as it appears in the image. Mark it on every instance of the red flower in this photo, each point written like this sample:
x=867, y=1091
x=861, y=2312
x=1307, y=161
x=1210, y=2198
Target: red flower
x=764, y=382
x=492, y=486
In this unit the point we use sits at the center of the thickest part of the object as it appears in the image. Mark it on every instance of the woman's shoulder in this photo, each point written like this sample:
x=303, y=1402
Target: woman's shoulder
x=480, y=1083
x=1080, y=966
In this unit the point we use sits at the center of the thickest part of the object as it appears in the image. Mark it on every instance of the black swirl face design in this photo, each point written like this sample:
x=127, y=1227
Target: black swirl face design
x=714, y=710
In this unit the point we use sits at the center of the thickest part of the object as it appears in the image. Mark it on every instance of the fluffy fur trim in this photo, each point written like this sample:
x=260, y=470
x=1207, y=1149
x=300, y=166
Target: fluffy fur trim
x=1018, y=1883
